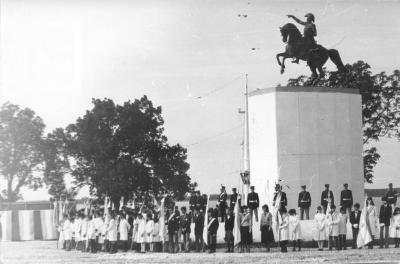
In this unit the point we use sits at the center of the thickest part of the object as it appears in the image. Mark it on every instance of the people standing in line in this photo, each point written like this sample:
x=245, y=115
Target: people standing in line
x=246, y=224
x=253, y=202
x=346, y=198
x=229, y=223
x=124, y=228
x=385, y=215
x=173, y=227
x=233, y=199
x=391, y=196
x=371, y=219
x=281, y=195
x=222, y=203
x=267, y=235
x=112, y=231
x=149, y=231
x=332, y=219
x=396, y=227
x=355, y=223
x=283, y=229
x=198, y=220
x=294, y=230
x=212, y=229
x=320, y=231
x=327, y=198
x=343, y=218
x=304, y=203
x=184, y=230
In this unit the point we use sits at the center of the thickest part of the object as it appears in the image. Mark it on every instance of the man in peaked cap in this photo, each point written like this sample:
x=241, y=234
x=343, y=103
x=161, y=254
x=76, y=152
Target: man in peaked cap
x=234, y=199
x=346, y=198
x=304, y=203
x=391, y=196
x=253, y=202
x=327, y=198
x=222, y=203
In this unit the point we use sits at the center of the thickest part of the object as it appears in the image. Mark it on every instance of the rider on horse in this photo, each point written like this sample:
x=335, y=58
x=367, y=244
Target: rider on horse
x=310, y=31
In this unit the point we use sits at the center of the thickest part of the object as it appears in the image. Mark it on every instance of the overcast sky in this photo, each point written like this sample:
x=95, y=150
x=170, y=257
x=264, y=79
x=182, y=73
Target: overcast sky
x=57, y=55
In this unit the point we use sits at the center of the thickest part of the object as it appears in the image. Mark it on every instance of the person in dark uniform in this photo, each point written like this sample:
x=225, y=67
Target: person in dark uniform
x=233, y=200
x=193, y=201
x=327, y=197
x=253, y=202
x=198, y=201
x=391, y=196
x=304, y=203
x=282, y=195
x=203, y=202
x=173, y=228
x=222, y=204
x=310, y=31
x=229, y=223
x=385, y=214
x=198, y=230
x=184, y=228
x=212, y=229
x=346, y=198
x=355, y=223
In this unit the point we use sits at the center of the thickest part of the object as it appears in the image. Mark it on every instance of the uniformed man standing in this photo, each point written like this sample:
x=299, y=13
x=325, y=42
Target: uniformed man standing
x=233, y=200
x=283, y=198
x=304, y=203
x=327, y=198
x=222, y=203
x=391, y=196
x=253, y=202
x=346, y=198
x=193, y=201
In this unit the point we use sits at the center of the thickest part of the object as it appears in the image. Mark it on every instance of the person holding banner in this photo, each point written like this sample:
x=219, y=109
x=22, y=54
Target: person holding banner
x=267, y=235
x=245, y=229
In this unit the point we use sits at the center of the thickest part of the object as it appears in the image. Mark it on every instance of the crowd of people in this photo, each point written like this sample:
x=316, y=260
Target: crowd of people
x=168, y=228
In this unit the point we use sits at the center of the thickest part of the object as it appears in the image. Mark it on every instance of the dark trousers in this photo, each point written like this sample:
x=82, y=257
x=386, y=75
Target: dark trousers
x=93, y=245
x=333, y=241
x=306, y=211
x=173, y=242
x=396, y=242
x=222, y=212
x=371, y=244
x=342, y=242
x=124, y=244
x=384, y=236
x=106, y=245
x=283, y=245
x=113, y=247
x=68, y=245
x=297, y=243
x=199, y=242
x=355, y=234
x=212, y=242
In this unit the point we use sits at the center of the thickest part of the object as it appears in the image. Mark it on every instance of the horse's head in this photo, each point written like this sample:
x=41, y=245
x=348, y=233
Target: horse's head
x=290, y=31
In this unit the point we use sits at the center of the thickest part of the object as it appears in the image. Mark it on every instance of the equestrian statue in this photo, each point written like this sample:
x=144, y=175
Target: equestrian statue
x=305, y=48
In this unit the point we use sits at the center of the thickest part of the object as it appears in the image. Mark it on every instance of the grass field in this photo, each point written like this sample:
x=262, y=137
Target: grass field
x=46, y=252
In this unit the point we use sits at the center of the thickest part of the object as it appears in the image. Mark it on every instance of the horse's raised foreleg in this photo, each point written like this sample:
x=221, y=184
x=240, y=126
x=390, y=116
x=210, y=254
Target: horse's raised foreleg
x=283, y=65
x=279, y=55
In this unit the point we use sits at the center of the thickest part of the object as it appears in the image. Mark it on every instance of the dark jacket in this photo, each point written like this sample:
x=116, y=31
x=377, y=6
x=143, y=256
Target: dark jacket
x=324, y=198
x=173, y=224
x=283, y=199
x=391, y=197
x=346, y=198
x=193, y=202
x=229, y=223
x=385, y=214
x=354, y=219
x=304, y=200
x=233, y=201
x=222, y=199
x=184, y=223
x=252, y=200
x=198, y=224
x=213, y=228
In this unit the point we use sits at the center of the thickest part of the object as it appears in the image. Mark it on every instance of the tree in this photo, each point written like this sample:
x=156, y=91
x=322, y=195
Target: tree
x=120, y=149
x=380, y=96
x=21, y=140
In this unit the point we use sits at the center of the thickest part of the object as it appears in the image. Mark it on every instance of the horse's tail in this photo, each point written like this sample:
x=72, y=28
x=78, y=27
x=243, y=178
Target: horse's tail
x=335, y=58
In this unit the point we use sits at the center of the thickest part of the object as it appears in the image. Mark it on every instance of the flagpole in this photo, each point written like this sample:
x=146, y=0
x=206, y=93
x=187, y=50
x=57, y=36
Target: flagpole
x=246, y=150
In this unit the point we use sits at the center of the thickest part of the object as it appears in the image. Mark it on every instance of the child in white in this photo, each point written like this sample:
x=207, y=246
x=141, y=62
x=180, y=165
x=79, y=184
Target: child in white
x=124, y=227
x=67, y=232
x=112, y=233
x=342, y=228
x=319, y=232
x=332, y=219
x=141, y=233
x=283, y=229
x=395, y=227
x=294, y=229
x=149, y=231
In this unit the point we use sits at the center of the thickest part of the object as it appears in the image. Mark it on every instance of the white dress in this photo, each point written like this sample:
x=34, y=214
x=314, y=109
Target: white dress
x=135, y=229
x=294, y=228
x=141, y=233
x=102, y=232
x=67, y=230
x=372, y=219
x=284, y=229
x=156, y=232
x=77, y=228
x=124, y=227
x=149, y=231
x=84, y=229
x=332, y=221
x=395, y=227
x=112, y=230
x=319, y=230
x=98, y=223
x=91, y=233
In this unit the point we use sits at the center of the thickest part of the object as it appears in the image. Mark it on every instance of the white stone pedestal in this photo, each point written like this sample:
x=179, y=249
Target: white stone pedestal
x=306, y=136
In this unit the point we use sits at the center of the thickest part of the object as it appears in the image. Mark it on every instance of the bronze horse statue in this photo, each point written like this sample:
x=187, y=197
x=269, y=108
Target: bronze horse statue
x=316, y=57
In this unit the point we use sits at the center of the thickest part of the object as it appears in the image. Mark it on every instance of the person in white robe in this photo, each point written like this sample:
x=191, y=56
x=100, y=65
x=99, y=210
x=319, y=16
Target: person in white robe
x=319, y=228
x=124, y=228
x=395, y=227
x=141, y=233
x=294, y=229
x=332, y=220
x=149, y=231
x=283, y=229
x=112, y=233
x=67, y=233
